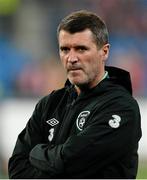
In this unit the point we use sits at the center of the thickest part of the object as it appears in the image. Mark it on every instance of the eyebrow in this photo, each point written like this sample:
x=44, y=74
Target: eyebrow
x=81, y=47
x=76, y=47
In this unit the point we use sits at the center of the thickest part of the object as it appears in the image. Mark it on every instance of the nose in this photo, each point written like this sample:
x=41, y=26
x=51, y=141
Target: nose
x=72, y=57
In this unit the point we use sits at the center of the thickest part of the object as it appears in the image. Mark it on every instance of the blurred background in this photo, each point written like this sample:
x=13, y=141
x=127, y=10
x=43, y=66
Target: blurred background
x=30, y=66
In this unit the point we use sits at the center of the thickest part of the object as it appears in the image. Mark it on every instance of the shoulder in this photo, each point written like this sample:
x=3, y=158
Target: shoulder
x=118, y=97
x=53, y=97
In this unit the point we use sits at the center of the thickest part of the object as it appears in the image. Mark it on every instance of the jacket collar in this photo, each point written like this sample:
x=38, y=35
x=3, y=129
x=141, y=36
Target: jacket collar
x=117, y=75
x=120, y=76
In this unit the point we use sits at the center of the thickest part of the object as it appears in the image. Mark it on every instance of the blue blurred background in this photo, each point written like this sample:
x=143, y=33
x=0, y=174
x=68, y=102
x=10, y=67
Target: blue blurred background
x=30, y=66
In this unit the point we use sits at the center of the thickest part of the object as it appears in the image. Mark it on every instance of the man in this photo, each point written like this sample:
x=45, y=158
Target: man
x=91, y=127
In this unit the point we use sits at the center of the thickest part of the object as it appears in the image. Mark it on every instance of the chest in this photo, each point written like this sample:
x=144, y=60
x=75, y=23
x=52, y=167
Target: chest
x=68, y=118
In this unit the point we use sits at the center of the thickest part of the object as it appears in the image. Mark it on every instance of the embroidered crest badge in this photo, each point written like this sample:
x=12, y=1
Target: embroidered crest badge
x=81, y=119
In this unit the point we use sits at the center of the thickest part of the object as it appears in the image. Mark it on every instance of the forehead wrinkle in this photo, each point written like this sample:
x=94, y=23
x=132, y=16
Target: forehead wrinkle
x=76, y=39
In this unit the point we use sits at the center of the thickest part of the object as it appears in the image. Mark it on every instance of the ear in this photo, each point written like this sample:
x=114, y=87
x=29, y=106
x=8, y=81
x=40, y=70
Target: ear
x=105, y=50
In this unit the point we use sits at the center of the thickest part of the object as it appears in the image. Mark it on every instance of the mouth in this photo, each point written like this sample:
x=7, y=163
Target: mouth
x=77, y=69
x=73, y=69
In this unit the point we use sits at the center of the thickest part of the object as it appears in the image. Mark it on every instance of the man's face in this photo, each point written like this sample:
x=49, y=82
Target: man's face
x=81, y=58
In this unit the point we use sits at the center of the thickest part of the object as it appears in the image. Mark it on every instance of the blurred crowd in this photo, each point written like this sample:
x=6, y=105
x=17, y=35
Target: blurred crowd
x=29, y=62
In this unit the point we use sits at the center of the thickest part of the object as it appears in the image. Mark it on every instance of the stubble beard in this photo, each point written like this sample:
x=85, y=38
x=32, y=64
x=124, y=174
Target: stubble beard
x=82, y=85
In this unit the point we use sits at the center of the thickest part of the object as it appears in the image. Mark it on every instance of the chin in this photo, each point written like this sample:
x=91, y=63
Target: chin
x=78, y=83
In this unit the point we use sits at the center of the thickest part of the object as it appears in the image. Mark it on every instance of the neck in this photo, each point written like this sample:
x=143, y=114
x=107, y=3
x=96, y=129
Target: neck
x=86, y=87
x=78, y=89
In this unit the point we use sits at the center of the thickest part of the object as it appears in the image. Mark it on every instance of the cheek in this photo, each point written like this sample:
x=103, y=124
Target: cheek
x=63, y=61
x=93, y=68
x=93, y=64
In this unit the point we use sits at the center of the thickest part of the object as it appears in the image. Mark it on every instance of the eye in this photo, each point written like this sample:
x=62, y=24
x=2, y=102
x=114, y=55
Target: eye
x=64, y=49
x=81, y=48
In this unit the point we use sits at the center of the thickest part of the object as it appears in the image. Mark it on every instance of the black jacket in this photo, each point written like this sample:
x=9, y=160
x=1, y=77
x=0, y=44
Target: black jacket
x=94, y=135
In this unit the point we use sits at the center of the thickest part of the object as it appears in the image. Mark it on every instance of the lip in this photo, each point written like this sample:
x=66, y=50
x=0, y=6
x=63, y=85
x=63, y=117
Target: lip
x=73, y=69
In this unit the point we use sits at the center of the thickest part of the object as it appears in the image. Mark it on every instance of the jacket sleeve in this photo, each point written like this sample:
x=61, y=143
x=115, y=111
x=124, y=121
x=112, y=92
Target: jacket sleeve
x=19, y=166
x=109, y=134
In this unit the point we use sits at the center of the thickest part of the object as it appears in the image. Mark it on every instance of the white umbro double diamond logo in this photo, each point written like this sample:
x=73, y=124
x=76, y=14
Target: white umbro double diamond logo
x=52, y=121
